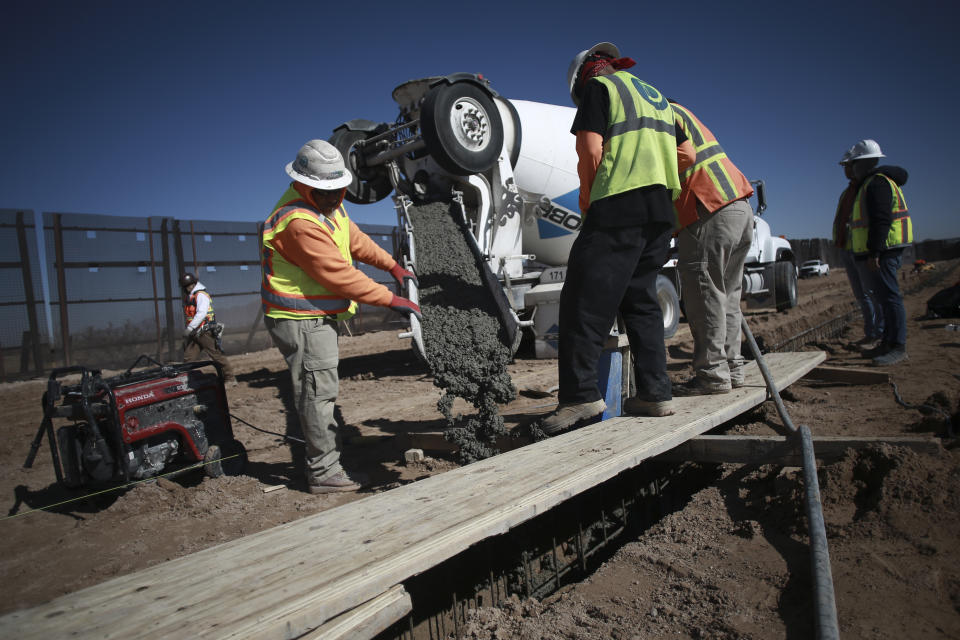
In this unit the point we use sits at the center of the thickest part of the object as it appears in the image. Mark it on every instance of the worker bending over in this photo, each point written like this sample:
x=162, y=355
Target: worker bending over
x=309, y=283
x=626, y=143
x=715, y=224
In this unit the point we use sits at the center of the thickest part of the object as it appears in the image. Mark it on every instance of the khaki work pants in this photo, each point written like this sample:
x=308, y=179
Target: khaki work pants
x=712, y=252
x=310, y=348
x=197, y=345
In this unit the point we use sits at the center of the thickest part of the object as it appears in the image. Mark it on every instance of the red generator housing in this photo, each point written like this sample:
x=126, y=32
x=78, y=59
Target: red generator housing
x=137, y=425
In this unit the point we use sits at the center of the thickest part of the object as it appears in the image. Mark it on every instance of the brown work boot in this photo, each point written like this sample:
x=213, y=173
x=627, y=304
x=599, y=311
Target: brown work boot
x=650, y=408
x=338, y=482
x=569, y=414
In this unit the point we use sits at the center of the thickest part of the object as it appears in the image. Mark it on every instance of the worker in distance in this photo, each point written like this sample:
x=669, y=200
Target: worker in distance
x=203, y=334
x=309, y=285
x=874, y=211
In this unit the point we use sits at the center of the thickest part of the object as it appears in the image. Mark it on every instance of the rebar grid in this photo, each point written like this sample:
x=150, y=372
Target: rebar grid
x=832, y=328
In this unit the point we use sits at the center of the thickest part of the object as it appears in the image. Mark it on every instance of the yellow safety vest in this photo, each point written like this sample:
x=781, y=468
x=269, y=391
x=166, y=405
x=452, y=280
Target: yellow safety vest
x=640, y=147
x=286, y=290
x=901, y=230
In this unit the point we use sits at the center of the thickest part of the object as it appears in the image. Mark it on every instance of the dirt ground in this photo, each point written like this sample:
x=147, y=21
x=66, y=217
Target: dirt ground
x=732, y=563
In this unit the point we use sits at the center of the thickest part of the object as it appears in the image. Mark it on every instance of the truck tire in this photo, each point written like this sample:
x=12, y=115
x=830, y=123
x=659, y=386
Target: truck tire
x=462, y=128
x=785, y=285
x=669, y=305
x=370, y=184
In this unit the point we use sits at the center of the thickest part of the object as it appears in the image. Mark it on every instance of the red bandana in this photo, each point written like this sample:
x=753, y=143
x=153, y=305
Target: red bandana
x=598, y=62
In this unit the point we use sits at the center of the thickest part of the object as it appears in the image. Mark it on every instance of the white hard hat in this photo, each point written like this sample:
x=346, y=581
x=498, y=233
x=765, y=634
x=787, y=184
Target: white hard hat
x=319, y=164
x=862, y=150
x=577, y=62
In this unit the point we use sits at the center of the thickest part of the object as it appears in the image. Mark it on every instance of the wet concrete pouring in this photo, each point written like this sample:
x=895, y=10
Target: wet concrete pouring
x=467, y=349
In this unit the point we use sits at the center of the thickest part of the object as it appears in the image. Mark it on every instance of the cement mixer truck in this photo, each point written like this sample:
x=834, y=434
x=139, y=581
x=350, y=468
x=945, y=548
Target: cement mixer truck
x=511, y=164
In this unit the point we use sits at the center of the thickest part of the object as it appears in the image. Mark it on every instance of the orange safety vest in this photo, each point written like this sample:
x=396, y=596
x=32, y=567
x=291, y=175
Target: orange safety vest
x=713, y=180
x=190, y=308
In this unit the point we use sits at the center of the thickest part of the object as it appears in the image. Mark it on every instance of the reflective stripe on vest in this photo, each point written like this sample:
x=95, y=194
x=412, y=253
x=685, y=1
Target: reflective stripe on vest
x=713, y=179
x=901, y=229
x=190, y=308
x=639, y=146
x=286, y=291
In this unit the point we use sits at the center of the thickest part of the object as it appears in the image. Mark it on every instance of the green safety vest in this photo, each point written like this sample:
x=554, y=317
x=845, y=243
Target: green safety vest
x=286, y=290
x=640, y=146
x=901, y=230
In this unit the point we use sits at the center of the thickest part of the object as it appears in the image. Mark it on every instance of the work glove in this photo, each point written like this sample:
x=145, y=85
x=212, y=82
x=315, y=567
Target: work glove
x=405, y=307
x=187, y=333
x=401, y=275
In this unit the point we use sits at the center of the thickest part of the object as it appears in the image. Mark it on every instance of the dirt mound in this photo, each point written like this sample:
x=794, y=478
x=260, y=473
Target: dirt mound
x=733, y=564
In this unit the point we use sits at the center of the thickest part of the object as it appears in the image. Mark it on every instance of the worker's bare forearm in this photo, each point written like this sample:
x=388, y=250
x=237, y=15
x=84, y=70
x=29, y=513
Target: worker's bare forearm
x=589, y=154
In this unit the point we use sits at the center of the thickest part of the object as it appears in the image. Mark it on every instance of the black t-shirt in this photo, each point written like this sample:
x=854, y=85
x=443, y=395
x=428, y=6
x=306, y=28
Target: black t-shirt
x=637, y=206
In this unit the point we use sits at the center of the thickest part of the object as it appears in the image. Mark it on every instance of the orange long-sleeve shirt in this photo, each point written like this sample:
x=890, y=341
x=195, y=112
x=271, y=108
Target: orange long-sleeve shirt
x=304, y=244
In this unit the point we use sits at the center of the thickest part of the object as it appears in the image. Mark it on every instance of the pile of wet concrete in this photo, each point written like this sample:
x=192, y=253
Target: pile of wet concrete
x=466, y=346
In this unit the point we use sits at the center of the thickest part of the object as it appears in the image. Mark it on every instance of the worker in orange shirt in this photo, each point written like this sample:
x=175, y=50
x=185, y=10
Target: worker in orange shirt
x=716, y=227
x=309, y=283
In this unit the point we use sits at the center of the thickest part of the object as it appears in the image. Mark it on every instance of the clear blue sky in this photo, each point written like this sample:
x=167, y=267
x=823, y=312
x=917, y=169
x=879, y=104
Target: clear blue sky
x=191, y=109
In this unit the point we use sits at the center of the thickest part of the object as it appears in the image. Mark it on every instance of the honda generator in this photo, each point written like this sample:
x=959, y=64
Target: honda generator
x=168, y=419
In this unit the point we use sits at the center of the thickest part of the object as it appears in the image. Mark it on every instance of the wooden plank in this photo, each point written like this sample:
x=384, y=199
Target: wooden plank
x=739, y=449
x=849, y=375
x=367, y=620
x=285, y=581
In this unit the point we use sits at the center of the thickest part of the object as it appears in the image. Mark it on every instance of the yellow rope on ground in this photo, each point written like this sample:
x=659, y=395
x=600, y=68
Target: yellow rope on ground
x=125, y=486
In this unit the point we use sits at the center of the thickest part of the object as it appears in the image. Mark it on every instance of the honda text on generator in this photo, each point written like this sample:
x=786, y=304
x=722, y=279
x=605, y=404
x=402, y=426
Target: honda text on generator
x=511, y=166
x=136, y=425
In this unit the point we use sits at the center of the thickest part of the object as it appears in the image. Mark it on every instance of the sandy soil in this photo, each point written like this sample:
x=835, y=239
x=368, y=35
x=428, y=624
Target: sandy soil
x=732, y=563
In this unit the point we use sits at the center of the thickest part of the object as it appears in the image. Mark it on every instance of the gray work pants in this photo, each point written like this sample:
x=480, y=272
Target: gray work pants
x=310, y=348
x=712, y=251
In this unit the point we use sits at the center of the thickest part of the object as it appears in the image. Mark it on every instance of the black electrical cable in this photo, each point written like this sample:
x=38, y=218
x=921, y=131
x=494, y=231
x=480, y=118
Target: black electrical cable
x=272, y=433
x=919, y=407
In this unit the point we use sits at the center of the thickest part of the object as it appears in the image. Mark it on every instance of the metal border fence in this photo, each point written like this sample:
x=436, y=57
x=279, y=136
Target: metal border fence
x=112, y=287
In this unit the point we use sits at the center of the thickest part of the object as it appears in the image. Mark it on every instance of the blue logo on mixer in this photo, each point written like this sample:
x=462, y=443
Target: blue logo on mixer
x=562, y=218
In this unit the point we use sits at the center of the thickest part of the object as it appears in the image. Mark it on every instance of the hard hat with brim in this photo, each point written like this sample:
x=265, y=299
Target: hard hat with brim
x=320, y=165
x=863, y=150
x=602, y=47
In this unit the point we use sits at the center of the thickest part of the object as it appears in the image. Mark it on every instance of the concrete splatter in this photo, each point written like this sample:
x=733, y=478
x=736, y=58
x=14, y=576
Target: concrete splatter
x=466, y=346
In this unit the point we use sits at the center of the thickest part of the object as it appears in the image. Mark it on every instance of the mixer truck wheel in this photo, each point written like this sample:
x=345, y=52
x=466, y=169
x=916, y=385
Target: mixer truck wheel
x=669, y=305
x=785, y=285
x=370, y=184
x=462, y=128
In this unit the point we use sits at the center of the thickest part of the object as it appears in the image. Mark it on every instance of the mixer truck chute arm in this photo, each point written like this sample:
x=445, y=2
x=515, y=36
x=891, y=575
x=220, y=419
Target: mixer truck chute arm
x=512, y=167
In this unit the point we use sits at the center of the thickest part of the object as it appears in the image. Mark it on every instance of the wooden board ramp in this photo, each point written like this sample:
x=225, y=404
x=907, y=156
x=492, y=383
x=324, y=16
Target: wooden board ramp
x=287, y=581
